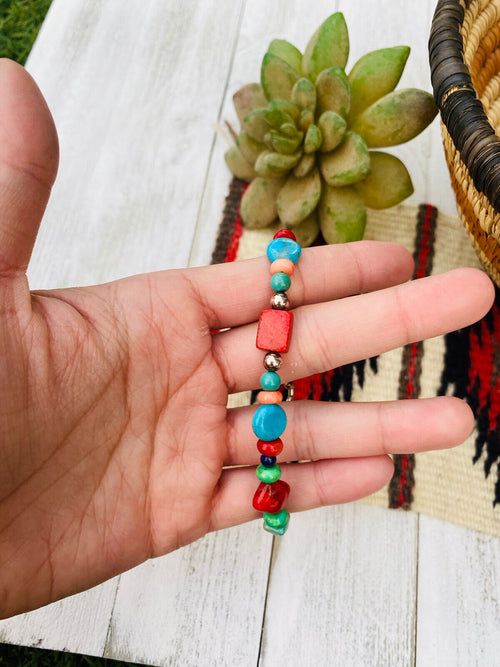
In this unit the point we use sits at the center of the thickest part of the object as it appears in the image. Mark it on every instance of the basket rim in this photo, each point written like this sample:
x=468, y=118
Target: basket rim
x=461, y=111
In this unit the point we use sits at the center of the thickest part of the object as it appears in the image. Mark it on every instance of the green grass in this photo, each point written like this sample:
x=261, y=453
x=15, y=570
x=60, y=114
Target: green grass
x=20, y=21
x=19, y=656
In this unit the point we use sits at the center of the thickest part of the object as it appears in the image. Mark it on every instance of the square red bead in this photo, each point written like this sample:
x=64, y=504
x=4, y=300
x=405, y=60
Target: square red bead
x=274, y=330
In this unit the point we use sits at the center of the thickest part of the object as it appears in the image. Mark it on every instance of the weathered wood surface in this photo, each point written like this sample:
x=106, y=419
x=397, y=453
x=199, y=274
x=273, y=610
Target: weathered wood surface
x=136, y=89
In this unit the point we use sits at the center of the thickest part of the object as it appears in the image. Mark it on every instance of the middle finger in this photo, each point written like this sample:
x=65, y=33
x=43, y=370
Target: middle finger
x=328, y=335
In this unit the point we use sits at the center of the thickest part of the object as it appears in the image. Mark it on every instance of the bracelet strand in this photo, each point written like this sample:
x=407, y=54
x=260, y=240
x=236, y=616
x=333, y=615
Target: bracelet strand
x=269, y=421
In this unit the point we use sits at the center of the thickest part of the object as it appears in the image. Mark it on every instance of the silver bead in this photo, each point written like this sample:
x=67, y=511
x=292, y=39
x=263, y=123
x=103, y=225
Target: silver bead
x=279, y=301
x=290, y=391
x=272, y=361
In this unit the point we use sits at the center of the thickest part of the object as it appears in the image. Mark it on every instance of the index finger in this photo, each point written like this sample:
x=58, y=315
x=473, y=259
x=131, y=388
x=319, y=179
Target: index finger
x=235, y=293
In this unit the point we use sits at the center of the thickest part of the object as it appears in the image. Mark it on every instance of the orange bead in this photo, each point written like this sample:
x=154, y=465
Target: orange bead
x=267, y=397
x=282, y=266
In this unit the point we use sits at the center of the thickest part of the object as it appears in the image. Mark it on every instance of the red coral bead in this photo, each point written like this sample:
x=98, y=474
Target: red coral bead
x=284, y=233
x=271, y=497
x=270, y=447
x=274, y=330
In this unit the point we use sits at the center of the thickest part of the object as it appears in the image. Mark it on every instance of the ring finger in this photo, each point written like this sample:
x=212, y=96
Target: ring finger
x=321, y=430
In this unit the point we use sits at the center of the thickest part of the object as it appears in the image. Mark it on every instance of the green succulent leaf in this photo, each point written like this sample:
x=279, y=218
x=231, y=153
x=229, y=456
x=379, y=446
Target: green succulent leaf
x=277, y=77
x=249, y=148
x=342, y=215
x=388, y=182
x=395, y=118
x=238, y=165
x=283, y=144
x=333, y=128
x=246, y=99
x=287, y=107
x=298, y=198
x=328, y=47
x=307, y=231
x=306, y=118
x=376, y=74
x=304, y=94
x=277, y=117
x=259, y=203
x=349, y=163
x=305, y=165
x=287, y=52
x=275, y=165
x=256, y=124
x=289, y=130
x=333, y=91
x=313, y=139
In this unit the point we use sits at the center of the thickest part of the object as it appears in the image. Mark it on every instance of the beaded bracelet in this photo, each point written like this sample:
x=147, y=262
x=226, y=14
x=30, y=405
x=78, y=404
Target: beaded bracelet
x=269, y=421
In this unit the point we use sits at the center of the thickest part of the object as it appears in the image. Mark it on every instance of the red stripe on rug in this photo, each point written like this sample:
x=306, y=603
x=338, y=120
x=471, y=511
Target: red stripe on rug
x=401, y=486
x=234, y=241
x=421, y=268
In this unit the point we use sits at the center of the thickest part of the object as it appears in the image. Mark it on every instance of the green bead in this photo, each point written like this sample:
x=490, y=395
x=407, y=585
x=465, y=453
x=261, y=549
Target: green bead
x=277, y=530
x=270, y=381
x=276, y=520
x=280, y=282
x=268, y=475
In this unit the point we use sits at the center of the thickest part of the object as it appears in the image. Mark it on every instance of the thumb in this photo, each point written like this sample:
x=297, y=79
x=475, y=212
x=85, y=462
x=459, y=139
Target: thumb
x=29, y=157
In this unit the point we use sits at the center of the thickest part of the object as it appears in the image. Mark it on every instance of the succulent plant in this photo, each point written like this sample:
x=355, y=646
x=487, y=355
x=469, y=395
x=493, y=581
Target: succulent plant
x=308, y=130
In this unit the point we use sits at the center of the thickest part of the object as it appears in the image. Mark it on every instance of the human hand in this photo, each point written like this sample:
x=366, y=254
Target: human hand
x=115, y=438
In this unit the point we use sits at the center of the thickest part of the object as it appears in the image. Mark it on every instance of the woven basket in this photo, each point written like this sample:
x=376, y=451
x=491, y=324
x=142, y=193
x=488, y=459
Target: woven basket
x=464, y=52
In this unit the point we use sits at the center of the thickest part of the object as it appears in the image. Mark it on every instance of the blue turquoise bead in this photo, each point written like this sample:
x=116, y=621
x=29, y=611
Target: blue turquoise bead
x=280, y=282
x=284, y=248
x=268, y=461
x=270, y=381
x=269, y=421
x=268, y=475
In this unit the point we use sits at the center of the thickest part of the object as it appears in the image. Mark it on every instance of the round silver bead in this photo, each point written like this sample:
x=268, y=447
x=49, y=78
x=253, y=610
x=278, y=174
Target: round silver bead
x=279, y=301
x=272, y=361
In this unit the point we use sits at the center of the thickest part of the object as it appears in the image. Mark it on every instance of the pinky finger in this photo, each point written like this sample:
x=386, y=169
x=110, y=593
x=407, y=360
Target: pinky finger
x=313, y=484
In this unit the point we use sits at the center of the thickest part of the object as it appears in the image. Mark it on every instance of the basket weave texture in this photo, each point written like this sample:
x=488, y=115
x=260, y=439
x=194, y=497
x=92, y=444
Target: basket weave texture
x=464, y=53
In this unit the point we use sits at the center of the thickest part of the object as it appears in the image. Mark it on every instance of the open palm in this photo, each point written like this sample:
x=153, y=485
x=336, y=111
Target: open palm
x=116, y=444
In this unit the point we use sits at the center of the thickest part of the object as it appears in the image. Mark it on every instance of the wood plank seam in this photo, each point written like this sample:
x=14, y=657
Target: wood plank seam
x=263, y=623
x=108, y=649
x=214, y=139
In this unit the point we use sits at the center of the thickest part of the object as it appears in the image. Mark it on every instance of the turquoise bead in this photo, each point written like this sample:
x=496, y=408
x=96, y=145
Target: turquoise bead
x=284, y=248
x=280, y=282
x=276, y=520
x=270, y=381
x=268, y=475
x=277, y=530
x=269, y=422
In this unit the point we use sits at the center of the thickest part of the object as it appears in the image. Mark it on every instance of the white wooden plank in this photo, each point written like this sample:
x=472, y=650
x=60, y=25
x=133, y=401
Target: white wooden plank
x=342, y=590
x=135, y=90
x=458, y=611
x=439, y=190
x=197, y=607
x=78, y=623
x=382, y=24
